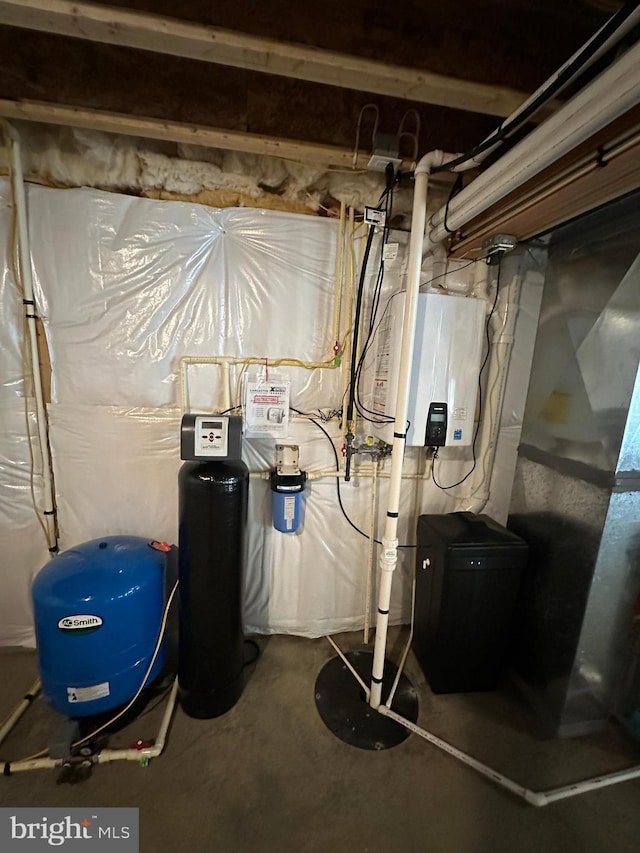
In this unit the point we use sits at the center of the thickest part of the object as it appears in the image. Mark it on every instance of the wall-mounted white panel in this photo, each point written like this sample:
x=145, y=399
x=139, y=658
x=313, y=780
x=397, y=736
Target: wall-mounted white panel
x=445, y=368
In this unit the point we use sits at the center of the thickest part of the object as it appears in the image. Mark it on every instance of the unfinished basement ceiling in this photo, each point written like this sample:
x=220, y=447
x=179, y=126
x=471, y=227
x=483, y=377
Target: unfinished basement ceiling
x=512, y=46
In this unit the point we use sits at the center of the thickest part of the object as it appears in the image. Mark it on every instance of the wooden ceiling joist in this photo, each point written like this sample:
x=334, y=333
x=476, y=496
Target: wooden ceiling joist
x=180, y=132
x=601, y=170
x=144, y=31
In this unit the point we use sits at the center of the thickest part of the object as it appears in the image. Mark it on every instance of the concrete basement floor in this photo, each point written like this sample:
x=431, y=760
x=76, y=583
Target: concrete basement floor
x=268, y=776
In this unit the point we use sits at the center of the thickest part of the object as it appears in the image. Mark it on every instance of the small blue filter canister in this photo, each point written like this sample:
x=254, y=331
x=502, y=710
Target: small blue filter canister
x=287, y=501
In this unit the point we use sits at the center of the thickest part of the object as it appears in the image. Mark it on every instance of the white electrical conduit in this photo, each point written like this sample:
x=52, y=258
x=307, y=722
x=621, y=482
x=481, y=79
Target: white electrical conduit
x=389, y=552
x=25, y=276
x=609, y=96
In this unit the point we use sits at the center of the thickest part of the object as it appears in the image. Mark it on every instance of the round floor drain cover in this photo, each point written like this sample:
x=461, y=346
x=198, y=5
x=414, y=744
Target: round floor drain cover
x=341, y=703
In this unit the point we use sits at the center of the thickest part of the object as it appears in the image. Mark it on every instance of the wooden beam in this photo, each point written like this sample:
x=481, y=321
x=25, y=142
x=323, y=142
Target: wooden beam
x=570, y=188
x=173, y=131
x=144, y=31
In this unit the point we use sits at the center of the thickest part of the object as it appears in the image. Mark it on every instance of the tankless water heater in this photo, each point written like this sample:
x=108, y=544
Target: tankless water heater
x=446, y=365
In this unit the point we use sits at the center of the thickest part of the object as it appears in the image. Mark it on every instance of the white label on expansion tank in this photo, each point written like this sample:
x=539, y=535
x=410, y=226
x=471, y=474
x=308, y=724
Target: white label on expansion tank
x=88, y=694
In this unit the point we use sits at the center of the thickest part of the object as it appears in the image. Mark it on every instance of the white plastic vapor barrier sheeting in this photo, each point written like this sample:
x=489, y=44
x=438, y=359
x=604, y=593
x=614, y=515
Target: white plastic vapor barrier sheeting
x=11, y=308
x=126, y=288
x=22, y=542
x=116, y=472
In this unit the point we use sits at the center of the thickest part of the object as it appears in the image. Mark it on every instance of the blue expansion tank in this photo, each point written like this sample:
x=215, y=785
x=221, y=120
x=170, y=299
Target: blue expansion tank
x=98, y=609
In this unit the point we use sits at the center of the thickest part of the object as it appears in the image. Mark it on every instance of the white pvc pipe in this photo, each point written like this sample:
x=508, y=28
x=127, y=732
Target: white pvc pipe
x=632, y=20
x=19, y=710
x=372, y=550
x=525, y=201
x=535, y=798
x=609, y=96
x=500, y=357
x=337, y=296
x=227, y=395
x=225, y=361
x=349, y=666
x=105, y=755
x=26, y=282
x=389, y=552
x=481, y=768
x=591, y=784
x=33, y=764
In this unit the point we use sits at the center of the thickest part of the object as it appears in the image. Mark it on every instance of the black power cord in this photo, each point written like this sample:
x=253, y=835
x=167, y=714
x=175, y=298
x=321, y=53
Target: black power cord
x=337, y=461
x=477, y=430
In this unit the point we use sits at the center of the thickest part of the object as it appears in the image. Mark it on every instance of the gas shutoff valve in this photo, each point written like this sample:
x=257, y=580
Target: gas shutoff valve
x=287, y=485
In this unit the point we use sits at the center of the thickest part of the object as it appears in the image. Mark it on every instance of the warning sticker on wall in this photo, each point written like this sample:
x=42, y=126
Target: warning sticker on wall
x=266, y=406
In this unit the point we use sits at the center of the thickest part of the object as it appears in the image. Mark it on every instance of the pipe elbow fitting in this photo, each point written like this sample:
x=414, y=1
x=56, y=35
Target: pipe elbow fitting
x=535, y=798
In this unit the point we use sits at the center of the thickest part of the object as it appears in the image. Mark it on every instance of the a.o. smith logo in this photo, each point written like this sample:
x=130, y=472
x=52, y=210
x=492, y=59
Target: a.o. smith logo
x=82, y=623
x=74, y=829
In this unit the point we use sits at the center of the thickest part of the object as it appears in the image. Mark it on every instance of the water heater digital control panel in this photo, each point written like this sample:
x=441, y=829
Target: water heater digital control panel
x=205, y=437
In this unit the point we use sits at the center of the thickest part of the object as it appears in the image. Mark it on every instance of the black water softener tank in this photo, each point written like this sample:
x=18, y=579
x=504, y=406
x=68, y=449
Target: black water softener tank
x=214, y=490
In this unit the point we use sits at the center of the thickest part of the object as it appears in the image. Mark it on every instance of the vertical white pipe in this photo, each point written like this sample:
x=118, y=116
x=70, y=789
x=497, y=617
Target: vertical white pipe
x=372, y=550
x=346, y=364
x=389, y=553
x=19, y=710
x=337, y=296
x=500, y=357
x=26, y=281
x=227, y=401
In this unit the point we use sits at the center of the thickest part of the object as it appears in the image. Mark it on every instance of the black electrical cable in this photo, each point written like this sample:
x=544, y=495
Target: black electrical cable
x=360, y=295
x=335, y=455
x=356, y=324
x=477, y=430
x=508, y=128
x=362, y=410
x=456, y=186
